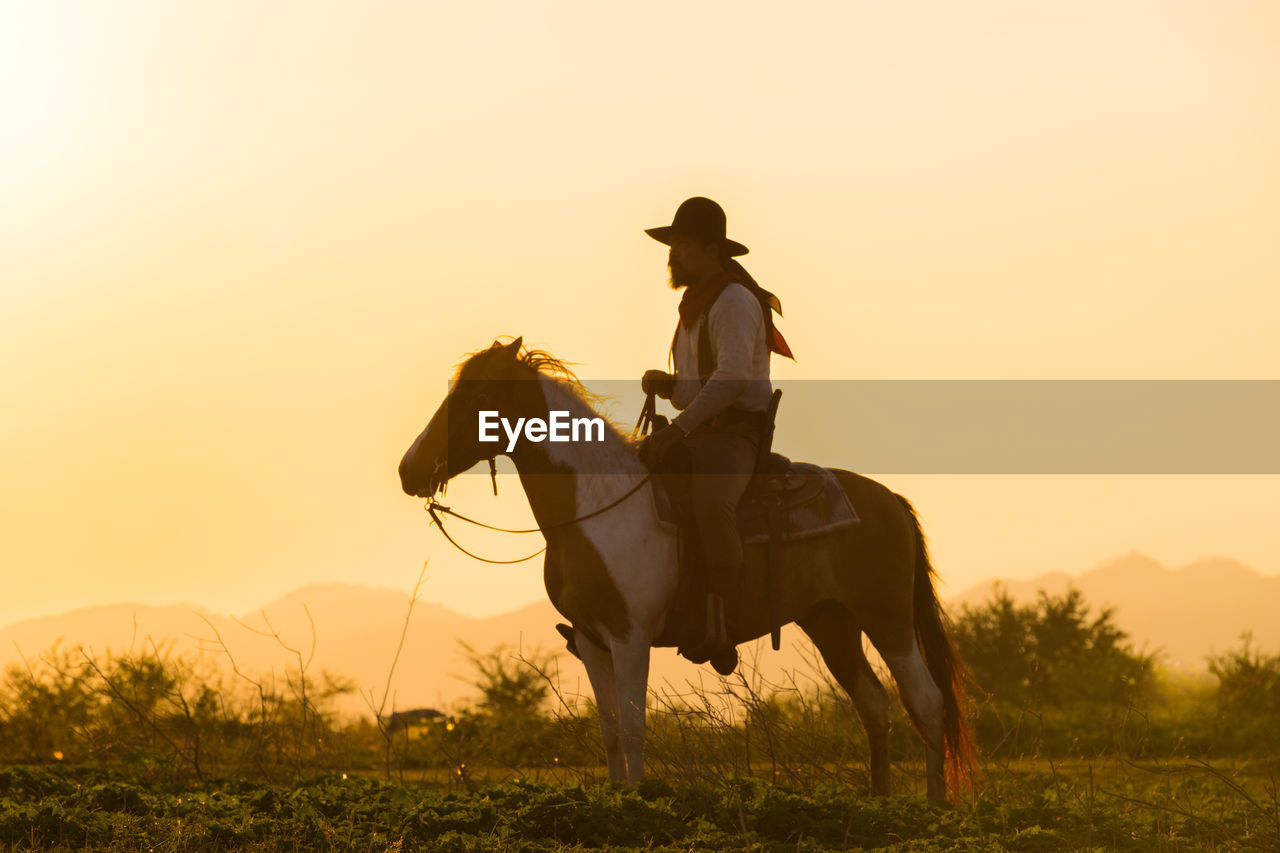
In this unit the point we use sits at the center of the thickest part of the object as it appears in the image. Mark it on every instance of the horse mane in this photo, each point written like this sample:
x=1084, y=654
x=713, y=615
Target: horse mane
x=541, y=363
x=546, y=363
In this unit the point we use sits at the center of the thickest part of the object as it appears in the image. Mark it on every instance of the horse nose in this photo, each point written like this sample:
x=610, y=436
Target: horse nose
x=410, y=480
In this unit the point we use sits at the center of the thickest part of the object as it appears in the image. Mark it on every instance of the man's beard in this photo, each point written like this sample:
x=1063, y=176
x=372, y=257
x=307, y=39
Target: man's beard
x=679, y=275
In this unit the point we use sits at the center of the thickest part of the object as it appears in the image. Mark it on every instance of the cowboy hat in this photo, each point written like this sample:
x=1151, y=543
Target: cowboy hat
x=701, y=218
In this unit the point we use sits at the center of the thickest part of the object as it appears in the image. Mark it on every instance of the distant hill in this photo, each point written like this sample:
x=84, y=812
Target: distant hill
x=1186, y=612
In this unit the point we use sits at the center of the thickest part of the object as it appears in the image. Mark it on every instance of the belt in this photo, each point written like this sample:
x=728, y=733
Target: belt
x=735, y=418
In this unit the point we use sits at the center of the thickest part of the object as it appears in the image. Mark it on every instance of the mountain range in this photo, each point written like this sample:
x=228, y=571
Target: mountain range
x=1184, y=614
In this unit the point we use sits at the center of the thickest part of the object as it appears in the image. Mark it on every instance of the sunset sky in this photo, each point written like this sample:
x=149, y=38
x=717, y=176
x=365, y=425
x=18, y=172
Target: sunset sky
x=243, y=244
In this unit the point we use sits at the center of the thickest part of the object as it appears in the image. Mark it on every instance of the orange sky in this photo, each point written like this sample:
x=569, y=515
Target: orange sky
x=242, y=245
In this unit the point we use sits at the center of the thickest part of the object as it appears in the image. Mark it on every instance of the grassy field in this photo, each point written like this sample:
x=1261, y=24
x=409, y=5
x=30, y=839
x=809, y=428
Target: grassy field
x=1087, y=745
x=1032, y=806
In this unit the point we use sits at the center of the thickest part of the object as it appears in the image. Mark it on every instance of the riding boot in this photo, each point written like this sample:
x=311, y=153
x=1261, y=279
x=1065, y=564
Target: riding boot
x=726, y=590
x=723, y=654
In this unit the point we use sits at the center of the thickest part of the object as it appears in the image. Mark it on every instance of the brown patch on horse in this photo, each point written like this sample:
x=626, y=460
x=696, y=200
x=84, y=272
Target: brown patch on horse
x=575, y=574
x=577, y=580
x=881, y=564
x=580, y=587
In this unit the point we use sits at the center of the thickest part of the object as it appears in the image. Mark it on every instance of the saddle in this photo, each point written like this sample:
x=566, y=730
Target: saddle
x=809, y=496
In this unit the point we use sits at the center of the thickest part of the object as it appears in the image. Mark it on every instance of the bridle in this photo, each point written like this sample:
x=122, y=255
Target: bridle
x=434, y=508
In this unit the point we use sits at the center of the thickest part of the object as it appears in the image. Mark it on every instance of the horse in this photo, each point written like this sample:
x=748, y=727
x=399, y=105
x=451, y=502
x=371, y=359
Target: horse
x=611, y=567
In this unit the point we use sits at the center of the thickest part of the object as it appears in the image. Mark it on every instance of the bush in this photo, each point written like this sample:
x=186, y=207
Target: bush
x=1052, y=653
x=1248, y=704
x=166, y=716
x=1061, y=681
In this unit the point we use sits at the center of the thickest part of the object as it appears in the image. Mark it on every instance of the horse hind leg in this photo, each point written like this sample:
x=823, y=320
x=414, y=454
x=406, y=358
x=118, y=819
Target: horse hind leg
x=838, y=639
x=923, y=701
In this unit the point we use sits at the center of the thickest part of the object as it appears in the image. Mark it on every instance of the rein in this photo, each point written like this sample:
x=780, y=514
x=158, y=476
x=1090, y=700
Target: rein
x=434, y=508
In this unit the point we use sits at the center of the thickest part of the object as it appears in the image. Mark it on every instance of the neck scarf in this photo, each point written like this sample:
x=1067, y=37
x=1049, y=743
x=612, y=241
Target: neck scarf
x=698, y=298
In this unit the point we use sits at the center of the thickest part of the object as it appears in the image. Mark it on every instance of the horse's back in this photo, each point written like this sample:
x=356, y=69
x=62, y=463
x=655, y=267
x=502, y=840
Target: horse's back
x=879, y=507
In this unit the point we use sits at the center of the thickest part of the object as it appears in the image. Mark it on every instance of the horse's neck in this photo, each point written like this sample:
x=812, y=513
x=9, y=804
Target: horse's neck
x=564, y=480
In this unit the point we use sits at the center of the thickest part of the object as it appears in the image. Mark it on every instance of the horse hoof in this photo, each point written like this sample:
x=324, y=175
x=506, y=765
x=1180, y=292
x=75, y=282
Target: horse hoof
x=725, y=661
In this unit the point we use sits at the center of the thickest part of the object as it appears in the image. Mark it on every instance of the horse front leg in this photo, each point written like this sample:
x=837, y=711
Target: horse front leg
x=631, y=670
x=600, y=672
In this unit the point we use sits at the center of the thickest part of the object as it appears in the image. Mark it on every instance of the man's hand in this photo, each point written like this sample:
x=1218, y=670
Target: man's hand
x=655, y=447
x=658, y=382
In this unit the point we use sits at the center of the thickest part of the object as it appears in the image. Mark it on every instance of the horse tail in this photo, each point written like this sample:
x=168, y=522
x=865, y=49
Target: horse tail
x=946, y=667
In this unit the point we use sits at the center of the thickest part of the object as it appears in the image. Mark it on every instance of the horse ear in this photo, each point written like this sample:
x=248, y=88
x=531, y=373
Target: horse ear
x=513, y=349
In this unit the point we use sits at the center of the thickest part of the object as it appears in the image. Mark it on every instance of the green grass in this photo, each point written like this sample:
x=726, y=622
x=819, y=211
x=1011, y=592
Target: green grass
x=1031, y=806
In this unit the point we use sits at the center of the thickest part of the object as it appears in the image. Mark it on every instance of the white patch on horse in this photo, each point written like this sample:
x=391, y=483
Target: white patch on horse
x=923, y=700
x=633, y=556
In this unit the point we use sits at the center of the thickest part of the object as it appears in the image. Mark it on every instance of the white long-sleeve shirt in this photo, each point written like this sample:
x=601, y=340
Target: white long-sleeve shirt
x=741, y=376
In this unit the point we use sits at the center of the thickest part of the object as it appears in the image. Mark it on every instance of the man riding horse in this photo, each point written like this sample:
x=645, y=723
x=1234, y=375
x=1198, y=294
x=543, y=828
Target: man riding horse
x=721, y=386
